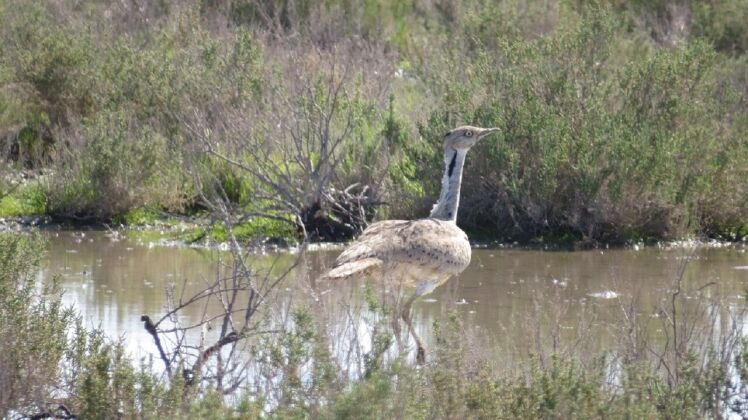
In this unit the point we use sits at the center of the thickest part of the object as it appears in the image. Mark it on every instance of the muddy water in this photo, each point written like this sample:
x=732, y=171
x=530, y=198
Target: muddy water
x=506, y=296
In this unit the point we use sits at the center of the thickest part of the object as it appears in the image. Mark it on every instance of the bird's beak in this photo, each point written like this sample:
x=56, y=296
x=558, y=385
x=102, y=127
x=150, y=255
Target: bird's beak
x=488, y=131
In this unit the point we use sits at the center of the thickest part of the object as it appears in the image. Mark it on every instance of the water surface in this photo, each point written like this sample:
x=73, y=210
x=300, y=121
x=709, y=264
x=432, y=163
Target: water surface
x=506, y=295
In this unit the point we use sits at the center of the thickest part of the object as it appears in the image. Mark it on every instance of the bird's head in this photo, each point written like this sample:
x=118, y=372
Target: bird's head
x=465, y=137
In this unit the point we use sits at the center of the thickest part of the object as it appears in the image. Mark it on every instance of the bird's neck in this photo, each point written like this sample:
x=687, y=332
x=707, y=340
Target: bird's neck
x=449, y=199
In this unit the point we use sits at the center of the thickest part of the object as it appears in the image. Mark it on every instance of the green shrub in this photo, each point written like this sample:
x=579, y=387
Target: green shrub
x=607, y=148
x=27, y=200
x=722, y=23
x=621, y=120
x=122, y=166
x=33, y=327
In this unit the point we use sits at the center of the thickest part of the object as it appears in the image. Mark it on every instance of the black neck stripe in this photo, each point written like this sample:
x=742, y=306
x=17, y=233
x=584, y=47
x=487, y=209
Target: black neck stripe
x=452, y=165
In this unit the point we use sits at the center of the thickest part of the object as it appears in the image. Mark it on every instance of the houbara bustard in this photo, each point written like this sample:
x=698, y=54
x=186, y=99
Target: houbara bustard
x=413, y=257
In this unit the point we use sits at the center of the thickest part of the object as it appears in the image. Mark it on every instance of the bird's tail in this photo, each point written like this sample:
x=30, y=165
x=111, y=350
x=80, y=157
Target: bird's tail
x=353, y=268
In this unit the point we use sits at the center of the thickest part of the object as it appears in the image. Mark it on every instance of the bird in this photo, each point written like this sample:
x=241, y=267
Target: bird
x=414, y=257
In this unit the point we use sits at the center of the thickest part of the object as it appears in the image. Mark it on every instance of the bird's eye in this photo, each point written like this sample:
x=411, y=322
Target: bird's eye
x=448, y=133
x=468, y=134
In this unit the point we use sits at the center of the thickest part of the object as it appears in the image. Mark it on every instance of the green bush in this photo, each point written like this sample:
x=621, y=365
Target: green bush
x=722, y=23
x=601, y=139
x=26, y=200
x=33, y=327
x=122, y=166
x=621, y=120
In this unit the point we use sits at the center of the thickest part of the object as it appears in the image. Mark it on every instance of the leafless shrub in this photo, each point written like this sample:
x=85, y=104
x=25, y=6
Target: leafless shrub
x=552, y=332
x=307, y=139
x=216, y=360
x=690, y=337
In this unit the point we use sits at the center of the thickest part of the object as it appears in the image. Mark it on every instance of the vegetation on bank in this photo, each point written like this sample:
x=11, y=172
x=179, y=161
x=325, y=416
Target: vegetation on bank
x=620, y=120
x=27, y=200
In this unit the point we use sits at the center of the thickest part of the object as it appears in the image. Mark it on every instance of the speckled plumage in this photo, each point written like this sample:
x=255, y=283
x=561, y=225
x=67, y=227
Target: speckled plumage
x=408, y=252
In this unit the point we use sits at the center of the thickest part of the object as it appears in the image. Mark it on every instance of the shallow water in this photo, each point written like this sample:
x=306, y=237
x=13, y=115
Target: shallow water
x=505, y=296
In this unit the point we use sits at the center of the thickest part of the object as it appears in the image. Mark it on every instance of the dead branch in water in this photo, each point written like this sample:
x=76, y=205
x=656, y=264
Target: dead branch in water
x=241, y=293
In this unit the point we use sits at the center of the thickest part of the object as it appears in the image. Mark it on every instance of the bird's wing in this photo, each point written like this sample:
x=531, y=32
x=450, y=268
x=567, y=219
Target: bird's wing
x=435, y=244
x=426, y=243
x=367, y=252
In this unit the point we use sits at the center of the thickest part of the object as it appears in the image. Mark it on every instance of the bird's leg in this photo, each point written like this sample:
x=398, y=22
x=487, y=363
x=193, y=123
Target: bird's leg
x=396, y=330
x=397, y=303
x=420, y=352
